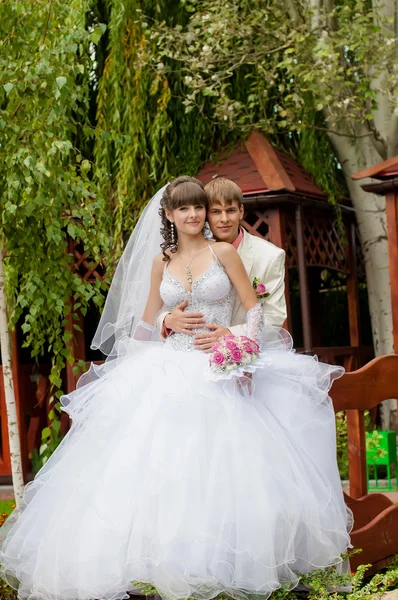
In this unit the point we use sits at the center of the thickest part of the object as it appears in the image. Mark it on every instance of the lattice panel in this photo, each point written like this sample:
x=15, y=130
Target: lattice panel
x=291, y=242
x=323, y=244
x=88, y=269
x=256, y=223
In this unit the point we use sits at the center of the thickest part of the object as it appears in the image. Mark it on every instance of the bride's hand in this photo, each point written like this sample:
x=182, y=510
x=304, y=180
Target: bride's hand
x=183, y=322
x=204, y=341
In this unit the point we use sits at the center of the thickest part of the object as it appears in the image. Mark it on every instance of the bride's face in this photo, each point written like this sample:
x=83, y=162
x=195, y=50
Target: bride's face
x=188, y=219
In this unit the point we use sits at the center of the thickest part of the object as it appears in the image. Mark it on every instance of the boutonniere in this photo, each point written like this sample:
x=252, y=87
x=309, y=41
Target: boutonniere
x=260, y=289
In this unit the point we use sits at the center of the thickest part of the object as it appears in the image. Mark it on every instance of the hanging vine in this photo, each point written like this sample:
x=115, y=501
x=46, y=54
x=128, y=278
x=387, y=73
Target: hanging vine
x=46, y=192
x=144, y=135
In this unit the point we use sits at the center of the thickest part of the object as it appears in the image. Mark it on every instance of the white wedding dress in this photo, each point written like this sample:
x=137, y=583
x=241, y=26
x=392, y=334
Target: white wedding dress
x=198, y=487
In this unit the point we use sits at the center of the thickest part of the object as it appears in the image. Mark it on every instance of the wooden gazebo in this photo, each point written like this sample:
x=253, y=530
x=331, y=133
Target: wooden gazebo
x=284, y=206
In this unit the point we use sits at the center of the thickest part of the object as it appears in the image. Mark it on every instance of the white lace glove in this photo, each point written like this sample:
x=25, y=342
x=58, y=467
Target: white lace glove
x=143, y=332
x=255, y=325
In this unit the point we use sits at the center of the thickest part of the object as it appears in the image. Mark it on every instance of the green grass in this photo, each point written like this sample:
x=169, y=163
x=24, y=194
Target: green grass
x=6, y=506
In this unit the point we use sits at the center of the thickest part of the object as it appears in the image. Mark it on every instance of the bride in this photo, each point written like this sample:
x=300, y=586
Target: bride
x=171, y=475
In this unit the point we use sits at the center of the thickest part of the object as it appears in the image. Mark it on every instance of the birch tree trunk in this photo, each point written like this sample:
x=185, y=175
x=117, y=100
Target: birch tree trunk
x=12, y=419
x=380, y=144
x=371, y=219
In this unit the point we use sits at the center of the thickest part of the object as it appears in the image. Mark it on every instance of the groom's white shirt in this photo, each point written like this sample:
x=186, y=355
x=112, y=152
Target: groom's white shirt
x=266, y=262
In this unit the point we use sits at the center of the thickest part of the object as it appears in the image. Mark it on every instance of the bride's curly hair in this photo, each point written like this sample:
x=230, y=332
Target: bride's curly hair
x=182, y=191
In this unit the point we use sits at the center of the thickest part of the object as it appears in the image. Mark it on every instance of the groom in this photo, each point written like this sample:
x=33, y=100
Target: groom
x=263, y=261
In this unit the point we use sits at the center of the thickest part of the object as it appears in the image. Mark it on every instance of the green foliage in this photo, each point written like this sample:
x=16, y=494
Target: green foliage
x=342, y=444
x=293, y=55
x=296, y=70
x=342, y=441
x=51, y=437
x=46, y=192
x=7, y=592
x=326, y=584
x=144, y=136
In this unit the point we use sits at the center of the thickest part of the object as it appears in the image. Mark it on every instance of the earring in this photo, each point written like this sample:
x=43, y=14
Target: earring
x=173, y=235
x=207, y=231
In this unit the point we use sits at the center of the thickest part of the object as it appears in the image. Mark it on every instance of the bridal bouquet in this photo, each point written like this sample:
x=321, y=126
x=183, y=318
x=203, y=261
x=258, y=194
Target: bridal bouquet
x=232, y=356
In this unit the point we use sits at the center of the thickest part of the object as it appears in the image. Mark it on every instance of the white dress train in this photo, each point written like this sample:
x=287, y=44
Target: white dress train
x=194, y=486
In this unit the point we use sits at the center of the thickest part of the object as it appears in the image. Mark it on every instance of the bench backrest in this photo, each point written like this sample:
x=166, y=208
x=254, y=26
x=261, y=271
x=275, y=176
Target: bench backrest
x=356, y=392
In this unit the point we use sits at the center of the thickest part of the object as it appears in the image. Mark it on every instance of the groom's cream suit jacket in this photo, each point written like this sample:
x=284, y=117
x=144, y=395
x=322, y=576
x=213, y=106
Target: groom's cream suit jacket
x=266, y=262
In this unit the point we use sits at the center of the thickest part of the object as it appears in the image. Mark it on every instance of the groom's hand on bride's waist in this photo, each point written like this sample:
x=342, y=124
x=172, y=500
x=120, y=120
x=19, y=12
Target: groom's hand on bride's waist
x=204, y=341
x=183, y=322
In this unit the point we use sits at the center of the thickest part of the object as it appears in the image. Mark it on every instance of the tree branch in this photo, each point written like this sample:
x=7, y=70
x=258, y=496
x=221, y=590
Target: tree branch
x=15, y=111
x=353, y=136
x=48, y=20
x=379, y=142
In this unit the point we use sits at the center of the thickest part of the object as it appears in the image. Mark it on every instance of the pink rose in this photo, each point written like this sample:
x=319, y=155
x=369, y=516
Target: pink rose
x=248, y=348
x=236, y=355
x=230, y=345
x=260, y=289
x=218, y=358
x=215, y=347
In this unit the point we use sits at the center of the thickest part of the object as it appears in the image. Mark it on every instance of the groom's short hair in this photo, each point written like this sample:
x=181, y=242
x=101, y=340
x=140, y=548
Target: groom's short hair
x=220, y=187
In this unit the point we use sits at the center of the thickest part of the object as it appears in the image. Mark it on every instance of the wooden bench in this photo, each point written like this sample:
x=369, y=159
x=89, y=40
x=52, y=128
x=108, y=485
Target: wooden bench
x=375, y=516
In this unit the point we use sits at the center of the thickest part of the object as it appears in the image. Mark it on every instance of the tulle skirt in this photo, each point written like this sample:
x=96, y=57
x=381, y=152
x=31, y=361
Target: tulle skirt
x=194, y=486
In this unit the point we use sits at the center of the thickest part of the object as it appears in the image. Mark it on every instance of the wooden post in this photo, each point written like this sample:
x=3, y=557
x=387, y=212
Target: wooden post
x=277, y=236
x=355, y=418
x=392, y=235
x=5, y=459
x=352, y=296
x=276, y=227
x=303, y=280
x=77, y=349
x=313, y=277
x=392, y=231
x=70, y=378
x=356, y=453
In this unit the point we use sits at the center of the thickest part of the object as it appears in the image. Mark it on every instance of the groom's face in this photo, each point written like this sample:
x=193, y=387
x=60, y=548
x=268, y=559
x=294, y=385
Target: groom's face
x=224, y=218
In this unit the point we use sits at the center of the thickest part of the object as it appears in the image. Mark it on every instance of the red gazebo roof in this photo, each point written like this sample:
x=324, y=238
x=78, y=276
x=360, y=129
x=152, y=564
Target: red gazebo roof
x=259, y=168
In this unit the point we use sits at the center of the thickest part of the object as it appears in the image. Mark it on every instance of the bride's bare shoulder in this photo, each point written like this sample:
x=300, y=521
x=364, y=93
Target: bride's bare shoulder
x=158, y=262
x=223, y=249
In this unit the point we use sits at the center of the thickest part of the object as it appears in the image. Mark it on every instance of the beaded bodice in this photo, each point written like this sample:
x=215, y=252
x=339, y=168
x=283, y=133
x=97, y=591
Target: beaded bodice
x=212, y=295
